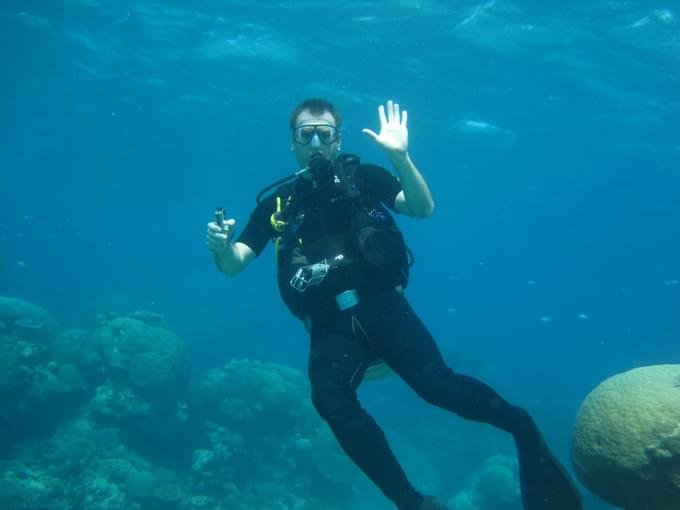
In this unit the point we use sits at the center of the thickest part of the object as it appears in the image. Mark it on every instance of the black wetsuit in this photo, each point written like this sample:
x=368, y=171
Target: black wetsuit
x=384, y=326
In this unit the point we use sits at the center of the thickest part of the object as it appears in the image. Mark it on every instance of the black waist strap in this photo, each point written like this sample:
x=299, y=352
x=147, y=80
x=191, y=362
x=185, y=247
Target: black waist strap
x=343, y=298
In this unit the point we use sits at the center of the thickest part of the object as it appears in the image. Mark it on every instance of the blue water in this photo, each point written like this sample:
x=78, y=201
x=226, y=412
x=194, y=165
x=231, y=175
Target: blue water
x=550, y=138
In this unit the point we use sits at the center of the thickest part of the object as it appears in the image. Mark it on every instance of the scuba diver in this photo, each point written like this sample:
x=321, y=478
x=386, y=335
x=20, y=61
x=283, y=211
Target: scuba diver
x=342, y=270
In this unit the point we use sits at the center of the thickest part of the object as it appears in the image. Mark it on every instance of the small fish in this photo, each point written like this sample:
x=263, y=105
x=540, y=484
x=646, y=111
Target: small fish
x=478, y=11
x=641, y=22
x=484, y=131
x=545, y=319
x=665, y=15
x=364, y=19
x=583, y=316
x=662, y=15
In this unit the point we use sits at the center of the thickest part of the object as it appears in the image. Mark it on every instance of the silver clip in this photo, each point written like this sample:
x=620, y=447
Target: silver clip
x=308, y=276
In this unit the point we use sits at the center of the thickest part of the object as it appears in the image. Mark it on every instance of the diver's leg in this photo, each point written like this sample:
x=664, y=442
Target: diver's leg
x=337, y=363
x=405, y=344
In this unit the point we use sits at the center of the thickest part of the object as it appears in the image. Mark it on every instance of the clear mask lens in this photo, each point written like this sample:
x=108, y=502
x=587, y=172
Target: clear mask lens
x=325, y=133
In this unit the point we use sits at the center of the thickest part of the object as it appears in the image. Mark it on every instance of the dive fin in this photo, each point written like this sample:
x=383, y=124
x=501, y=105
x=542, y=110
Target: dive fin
x=545, y=484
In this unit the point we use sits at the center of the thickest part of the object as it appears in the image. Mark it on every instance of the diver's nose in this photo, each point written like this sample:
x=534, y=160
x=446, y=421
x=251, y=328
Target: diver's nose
x=316, y=142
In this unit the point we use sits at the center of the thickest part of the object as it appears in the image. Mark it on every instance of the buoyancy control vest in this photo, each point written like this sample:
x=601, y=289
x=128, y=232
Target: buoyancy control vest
x=337, y=235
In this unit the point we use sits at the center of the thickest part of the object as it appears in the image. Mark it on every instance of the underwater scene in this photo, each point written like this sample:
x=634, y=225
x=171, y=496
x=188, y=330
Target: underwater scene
x=529, y=153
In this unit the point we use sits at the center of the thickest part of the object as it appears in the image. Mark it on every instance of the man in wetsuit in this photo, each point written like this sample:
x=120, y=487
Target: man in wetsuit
x=342, y=272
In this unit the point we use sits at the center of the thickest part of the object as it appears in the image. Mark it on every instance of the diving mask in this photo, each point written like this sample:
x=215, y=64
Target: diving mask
x=325, y=133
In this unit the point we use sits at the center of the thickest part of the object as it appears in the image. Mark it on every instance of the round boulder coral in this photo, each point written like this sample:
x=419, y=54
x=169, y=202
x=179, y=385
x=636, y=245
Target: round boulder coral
x=494, y=486
x=626, y=442
x=153, y=357
x=250, y=395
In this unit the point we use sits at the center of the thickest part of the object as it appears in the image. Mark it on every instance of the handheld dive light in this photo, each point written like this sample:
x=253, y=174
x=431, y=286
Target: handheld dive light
x=219, y=218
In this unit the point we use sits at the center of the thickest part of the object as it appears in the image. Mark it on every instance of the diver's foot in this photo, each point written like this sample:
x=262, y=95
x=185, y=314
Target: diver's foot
x=430, y=503
x=544, y=482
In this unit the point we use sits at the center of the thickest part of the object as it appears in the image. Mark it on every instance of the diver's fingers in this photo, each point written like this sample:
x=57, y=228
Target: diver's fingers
x=230, y=223
x=213, y=237
x=396, y=117
x=404, y=117
x=215, y=241
x=381, y=114
x=372, y=134
x=390, y=111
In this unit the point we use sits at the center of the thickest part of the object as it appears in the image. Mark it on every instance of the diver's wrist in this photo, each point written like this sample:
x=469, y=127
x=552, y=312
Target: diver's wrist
x=225, y=254
x=398, y=157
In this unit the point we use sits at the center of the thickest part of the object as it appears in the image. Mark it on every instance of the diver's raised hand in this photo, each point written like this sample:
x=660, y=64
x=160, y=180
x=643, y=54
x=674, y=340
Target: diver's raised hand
x=393, y=136
x=218, y=238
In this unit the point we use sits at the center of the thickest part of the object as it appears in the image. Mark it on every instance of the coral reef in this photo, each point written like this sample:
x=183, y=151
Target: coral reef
x=626, y=440
x=245, y=454
x=25, y=321
x=36, y=390
x=152, y=357
x=75, y=346
x=495, y=486
x=109, y=419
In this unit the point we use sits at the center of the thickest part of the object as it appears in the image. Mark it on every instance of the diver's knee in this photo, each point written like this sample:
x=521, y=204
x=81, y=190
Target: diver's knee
x=434, y=382
x=331, y=403
x=322, y=402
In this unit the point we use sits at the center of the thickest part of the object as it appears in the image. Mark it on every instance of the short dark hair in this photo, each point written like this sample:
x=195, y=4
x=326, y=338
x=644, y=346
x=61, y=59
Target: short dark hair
x=317, y=107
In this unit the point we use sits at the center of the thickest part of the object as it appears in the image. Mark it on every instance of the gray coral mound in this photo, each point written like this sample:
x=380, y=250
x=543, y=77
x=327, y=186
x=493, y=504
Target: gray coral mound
x=495, y=486
x=152, y=356
x=626, y=443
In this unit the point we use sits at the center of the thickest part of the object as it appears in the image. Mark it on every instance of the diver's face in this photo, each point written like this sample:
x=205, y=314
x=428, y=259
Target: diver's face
x=315, y=134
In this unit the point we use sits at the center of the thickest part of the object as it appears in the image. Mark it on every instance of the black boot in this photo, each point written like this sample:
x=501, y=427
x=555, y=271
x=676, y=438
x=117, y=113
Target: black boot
x=544, y=482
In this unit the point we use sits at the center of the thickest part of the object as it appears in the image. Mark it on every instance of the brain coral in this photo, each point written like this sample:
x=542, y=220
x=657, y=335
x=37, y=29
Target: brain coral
x=626, y=442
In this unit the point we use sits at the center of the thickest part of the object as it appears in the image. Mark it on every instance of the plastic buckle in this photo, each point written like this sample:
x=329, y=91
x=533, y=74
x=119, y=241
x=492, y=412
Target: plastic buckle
x=308, y=276
x=347, y=299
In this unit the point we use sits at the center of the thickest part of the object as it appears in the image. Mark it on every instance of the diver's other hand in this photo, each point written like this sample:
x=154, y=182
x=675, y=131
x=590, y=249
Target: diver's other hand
x=393, y=136
x=218, y=238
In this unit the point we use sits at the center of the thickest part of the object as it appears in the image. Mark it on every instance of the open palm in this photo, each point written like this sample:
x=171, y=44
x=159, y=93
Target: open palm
x=393, y=134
